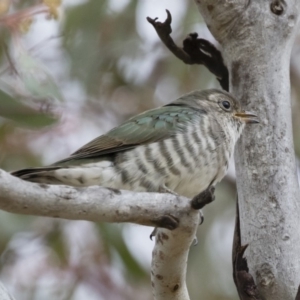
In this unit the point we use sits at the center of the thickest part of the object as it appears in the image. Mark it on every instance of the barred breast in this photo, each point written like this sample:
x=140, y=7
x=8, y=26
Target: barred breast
x=186, y=163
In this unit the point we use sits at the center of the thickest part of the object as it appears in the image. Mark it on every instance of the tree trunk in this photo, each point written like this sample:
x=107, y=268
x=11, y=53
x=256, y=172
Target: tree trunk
x=257, y=38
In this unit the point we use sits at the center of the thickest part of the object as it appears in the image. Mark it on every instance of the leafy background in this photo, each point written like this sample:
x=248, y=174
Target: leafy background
x=70, y=71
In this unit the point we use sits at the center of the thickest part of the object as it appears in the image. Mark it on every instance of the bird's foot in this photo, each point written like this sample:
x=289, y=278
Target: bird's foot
x=167, y=221
x=205, y=197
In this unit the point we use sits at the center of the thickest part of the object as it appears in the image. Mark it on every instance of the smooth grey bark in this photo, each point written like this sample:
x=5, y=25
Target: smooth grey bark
x=99, y=204
x=257, y=38
x=4, y=294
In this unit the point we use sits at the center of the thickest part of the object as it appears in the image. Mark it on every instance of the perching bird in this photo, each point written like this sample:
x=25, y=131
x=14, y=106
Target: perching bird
x=183, y=147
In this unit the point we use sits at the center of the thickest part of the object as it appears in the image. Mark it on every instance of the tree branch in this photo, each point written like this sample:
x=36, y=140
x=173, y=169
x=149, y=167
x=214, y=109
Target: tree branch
x=4, y=294
x=100, y=204
x=93, y=203
x=169, y=283
x=194, y=51
x=169, y=260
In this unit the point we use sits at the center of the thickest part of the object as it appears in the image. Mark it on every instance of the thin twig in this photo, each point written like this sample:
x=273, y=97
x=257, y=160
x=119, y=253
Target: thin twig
x=10, y=62
x=194, y=50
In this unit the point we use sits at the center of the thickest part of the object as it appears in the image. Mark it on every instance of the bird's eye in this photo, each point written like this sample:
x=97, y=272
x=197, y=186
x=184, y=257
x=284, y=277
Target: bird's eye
x=226, y=104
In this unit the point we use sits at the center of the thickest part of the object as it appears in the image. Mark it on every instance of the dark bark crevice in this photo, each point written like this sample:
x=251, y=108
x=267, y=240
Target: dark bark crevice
x=298, y=294
x=243, y=280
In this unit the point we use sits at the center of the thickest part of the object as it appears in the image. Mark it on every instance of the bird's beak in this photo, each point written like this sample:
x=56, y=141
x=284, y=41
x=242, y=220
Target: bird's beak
x=247, y=117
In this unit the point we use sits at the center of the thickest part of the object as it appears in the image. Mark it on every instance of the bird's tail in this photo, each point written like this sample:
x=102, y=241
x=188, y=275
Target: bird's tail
x=41, y=175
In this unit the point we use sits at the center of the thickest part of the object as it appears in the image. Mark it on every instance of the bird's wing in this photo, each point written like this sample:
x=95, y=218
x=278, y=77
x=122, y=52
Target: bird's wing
x=151, y=126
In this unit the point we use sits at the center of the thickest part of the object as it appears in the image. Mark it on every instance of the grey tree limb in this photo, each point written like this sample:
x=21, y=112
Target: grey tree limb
x=4, y=294
x=169, y=261
x=101, y=204
x=257, y=38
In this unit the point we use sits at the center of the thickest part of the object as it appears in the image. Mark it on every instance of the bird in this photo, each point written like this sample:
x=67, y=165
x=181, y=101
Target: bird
x=183, y=147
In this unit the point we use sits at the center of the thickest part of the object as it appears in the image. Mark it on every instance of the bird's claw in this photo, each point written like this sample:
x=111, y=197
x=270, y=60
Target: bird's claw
x=195, y=241
x=153, y=233
x=201, y=217
x=166, y=221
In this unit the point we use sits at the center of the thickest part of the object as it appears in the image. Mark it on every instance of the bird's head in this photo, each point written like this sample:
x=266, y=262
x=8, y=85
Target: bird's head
x=221, y=104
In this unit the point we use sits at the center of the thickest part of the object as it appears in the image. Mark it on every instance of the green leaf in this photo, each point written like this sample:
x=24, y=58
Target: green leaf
x=24, y=115
x=36, y=78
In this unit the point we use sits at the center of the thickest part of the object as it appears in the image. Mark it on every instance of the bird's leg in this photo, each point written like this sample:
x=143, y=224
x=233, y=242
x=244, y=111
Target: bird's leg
x=199, y=201
x=164, y=189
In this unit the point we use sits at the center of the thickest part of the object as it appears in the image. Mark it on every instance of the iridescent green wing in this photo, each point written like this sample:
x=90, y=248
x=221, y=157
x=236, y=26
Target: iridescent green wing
x=148, y=127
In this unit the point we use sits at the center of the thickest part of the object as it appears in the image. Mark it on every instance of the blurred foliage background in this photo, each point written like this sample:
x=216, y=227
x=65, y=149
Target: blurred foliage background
x=70, y=71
